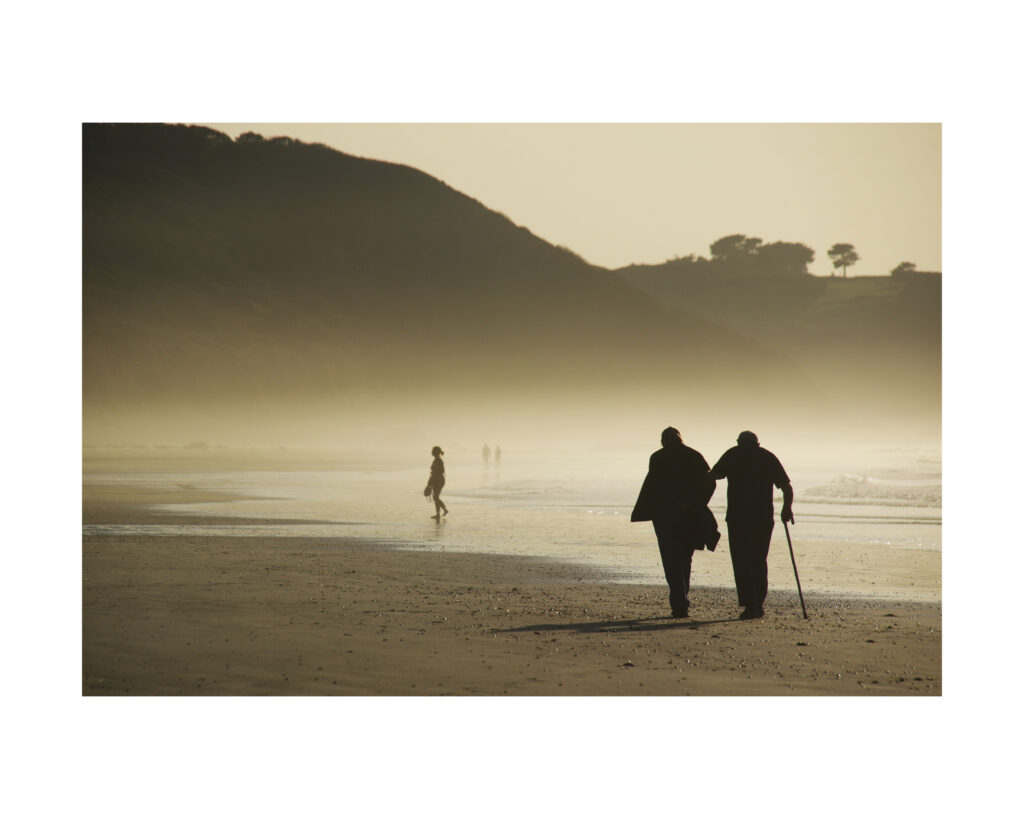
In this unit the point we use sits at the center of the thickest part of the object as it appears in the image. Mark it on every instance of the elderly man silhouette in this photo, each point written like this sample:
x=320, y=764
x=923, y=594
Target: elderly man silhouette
x=750, y=516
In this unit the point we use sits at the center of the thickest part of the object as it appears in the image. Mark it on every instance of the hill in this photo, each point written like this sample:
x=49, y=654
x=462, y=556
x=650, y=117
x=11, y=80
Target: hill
x=271, y=272
x=868, y=342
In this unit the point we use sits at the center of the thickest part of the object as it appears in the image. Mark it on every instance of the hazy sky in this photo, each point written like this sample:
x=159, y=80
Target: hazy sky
x=643, y=193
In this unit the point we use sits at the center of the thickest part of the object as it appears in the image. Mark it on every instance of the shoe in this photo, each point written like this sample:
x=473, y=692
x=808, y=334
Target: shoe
x=752, y=613
x=435, y=517
x=445, y=513
x=679, y=613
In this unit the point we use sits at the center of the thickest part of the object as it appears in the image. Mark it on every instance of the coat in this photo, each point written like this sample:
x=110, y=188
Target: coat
x=677, y=490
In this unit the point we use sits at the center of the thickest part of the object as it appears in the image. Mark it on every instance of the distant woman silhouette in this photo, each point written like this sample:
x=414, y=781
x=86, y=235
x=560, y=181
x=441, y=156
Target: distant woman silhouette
x=436, y=482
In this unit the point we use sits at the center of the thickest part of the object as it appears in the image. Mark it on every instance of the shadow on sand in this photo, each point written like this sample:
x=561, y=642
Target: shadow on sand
x=614, y=626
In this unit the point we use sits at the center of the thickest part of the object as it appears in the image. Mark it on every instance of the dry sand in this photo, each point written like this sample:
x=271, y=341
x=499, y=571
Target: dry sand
x=260, y=615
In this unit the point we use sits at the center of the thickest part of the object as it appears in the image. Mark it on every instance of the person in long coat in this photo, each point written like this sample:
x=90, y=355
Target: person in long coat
x=674, y=497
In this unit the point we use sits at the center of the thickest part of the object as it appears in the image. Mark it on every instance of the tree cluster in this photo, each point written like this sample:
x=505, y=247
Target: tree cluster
x=741, y=256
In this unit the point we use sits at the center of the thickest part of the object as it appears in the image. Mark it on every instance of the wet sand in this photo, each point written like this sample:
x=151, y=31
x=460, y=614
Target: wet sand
x=276, y=616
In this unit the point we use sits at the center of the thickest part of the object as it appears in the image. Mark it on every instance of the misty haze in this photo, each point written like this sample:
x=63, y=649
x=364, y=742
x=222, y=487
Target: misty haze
x=275, y=335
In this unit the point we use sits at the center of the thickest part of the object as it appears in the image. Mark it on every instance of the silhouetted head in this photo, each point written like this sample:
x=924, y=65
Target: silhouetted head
x=747, y=438
x=437, y=451
x=670, y=436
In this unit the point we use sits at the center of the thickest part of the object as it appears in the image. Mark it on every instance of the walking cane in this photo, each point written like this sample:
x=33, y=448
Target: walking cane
x=796, y=574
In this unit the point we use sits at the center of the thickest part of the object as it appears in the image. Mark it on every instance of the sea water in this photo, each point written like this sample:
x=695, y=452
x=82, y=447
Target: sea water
x=869, y=526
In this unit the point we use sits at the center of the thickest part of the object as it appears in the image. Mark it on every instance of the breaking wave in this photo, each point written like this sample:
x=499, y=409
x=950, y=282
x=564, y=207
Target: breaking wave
x=889, y=490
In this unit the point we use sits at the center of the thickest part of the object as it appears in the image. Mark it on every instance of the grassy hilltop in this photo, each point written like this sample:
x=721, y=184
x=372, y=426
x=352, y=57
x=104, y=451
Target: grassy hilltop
x=864, y=341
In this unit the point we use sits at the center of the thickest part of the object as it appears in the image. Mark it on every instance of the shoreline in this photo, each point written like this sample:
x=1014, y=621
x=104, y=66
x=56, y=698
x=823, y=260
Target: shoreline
x=155, y=508
x=224, y=615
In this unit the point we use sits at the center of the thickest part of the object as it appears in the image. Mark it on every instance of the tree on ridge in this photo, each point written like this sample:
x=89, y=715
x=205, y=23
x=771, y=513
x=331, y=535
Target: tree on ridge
x=843, y=255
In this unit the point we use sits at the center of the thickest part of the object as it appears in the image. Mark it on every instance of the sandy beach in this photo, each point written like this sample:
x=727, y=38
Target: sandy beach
x=217, y=615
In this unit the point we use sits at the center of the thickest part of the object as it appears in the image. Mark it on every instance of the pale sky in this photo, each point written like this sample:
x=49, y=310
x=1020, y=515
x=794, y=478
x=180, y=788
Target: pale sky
x=642, y=193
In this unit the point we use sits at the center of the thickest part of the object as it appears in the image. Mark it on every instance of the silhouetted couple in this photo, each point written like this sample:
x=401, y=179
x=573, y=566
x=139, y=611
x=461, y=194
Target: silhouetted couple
x=675, y=496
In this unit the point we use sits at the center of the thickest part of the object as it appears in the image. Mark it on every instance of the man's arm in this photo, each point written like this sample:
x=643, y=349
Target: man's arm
x=711, y=480
x=718, y=471
x=787, y=503
x=710, y=485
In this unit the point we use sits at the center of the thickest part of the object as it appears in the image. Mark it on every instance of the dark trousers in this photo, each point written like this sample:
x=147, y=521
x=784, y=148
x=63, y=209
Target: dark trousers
x=748, y=547
x=676, y=559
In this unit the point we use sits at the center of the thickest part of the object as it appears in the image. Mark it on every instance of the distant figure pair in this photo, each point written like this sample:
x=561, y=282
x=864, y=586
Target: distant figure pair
x=486, y=455
x=675, y=496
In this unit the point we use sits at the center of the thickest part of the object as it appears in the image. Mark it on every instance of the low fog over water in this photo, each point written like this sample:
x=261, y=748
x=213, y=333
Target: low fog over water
x=557, y=421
